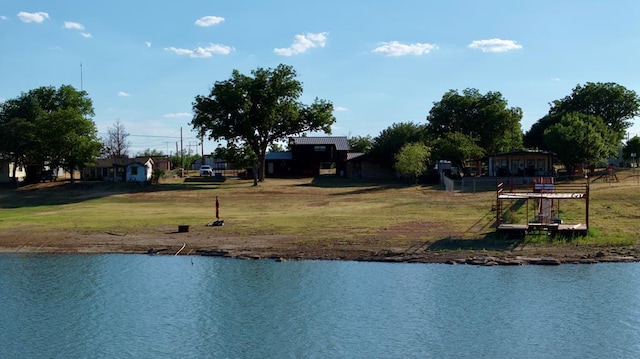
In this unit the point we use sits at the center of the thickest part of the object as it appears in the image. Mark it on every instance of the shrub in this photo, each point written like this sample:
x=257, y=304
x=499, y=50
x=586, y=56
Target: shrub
x=157, y=174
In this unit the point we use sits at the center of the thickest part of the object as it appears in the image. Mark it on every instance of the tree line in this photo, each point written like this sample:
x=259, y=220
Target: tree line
x=48, y=126
x=253, y=113
x=585, y=127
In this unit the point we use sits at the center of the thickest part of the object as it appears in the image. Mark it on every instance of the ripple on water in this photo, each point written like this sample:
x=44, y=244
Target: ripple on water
x=166, y=306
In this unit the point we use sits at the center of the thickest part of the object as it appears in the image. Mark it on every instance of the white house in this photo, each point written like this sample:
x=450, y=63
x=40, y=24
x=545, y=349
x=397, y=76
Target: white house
x=140, y=171
x=6, y=172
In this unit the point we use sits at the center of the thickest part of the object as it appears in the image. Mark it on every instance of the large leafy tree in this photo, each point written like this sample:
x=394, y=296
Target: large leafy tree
x=457, y=148
x=17, y=137
x=631, y=150
x=579, y=139
x=534, y=138
x=614, y=104
x=260, y=109
x=389, y=142
x=241, y=156
x=411, y=160
x=49, y=126
x=361, y=143
x=71, y=141
x=485, y=117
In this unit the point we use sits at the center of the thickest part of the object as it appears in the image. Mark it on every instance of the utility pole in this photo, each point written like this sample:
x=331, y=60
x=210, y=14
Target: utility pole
x=177, y=154
x=181, y=152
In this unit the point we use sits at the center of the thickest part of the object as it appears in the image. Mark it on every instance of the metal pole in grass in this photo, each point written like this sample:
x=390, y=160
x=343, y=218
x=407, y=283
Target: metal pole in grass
x=635, y=168
x=217, y=222
x=217, y=209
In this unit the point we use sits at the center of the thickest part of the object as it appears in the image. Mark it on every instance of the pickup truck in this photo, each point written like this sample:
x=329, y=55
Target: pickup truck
x=48, y=175
x=205, y=170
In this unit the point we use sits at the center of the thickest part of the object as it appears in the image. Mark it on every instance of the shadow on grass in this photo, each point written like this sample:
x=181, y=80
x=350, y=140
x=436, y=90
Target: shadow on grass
x=66, y=192
x=208, y=179
x=330, y=181
x=502, y=242
x=360, y=186
x=490, y=242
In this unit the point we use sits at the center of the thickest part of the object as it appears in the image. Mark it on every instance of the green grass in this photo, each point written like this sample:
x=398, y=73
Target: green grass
x=312, y=210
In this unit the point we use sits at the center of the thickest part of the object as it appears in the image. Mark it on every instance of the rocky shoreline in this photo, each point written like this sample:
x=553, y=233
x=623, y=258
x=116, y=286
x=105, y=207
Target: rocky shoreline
x=283, y=248
x=608, y=256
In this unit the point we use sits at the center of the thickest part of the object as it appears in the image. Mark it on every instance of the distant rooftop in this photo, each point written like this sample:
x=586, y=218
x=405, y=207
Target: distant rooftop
x=341, y=142
x=525, y=152
x=277, y=156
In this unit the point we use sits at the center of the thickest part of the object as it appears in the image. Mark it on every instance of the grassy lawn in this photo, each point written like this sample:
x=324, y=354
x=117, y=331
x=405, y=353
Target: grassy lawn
x=313, y=210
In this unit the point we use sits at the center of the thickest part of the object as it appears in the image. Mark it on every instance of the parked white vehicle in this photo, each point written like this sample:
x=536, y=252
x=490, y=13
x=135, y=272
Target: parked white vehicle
x=205, y=170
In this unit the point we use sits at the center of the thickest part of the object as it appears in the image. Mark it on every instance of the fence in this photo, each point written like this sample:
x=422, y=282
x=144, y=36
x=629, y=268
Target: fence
x=483, y=184
x=449, y=184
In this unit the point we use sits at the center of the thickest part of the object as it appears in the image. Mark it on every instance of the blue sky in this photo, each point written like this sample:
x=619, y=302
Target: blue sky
x=379, y=62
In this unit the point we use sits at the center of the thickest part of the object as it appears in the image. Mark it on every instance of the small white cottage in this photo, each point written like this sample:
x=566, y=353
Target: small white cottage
x=140, y=171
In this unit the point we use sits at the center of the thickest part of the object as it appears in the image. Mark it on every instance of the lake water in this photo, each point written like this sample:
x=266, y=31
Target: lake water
x=138, y=306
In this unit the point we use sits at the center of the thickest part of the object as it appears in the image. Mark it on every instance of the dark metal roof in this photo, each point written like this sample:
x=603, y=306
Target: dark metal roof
x=277, y=156
x=524, y=152
x=341, y=142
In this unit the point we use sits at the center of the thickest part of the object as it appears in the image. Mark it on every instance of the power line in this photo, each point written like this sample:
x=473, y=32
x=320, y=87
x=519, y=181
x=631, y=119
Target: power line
x=153, y=136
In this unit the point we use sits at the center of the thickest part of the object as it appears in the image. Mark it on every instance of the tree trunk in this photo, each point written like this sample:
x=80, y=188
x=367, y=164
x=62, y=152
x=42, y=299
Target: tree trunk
x=261, y=160
x=15, y=167
x=255, y=173
x=570, y=171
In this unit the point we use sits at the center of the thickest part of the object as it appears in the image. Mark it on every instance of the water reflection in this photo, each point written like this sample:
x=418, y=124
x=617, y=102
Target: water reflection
x=166, y=306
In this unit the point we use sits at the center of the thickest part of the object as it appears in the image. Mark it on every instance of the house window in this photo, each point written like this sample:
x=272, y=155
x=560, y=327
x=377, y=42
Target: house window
x=514, y=166
x=134, y=171
x=319, y=148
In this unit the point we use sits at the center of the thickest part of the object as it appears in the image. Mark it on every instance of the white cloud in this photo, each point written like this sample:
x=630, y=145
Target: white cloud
x=76, y=26
x=394, y=48
x=495, y=45
x=302, y=43
x=73, y=25
x=147, y=43
x=36, y=17
x=557, y=79
x=123, y=94
x=177, y=115
x=2, y=17
x=207, y=21
x=340, y=109
x=212, y=49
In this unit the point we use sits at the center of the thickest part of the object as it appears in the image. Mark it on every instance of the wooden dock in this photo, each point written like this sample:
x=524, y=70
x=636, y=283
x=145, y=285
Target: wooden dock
x=535, y=227
x=547, y=196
